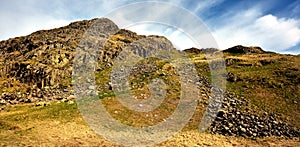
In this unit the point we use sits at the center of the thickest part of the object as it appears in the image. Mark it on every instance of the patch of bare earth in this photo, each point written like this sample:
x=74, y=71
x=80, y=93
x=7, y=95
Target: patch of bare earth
x=54, y=133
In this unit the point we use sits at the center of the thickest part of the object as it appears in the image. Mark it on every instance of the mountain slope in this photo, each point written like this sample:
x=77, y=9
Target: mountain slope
x=262, y=97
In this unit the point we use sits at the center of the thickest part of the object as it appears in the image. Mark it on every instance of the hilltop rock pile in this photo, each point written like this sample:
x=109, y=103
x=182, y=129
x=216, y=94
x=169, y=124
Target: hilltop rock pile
x=243, y=50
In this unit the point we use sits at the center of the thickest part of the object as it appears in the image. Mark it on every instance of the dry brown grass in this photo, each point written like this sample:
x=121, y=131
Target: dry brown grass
x=38, y=129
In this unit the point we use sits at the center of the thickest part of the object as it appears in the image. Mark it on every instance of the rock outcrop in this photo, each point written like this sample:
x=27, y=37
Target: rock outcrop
x=244, y=50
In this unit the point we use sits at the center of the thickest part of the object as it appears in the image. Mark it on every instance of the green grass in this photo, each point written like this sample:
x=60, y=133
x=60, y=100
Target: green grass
x=271, y=87
x=23, y=124
x=25, y=114
x=268, y=91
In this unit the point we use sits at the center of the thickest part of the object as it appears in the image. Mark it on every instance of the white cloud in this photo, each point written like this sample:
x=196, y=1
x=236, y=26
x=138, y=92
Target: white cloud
x=278, y=34
x=20, y=27
x=179, y=39
x=268, y=31
x=21, y=17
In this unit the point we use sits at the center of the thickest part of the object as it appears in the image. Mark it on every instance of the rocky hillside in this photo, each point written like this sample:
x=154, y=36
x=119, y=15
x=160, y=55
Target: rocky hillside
x=39, y=66
x=265, y=86
x=262, y=98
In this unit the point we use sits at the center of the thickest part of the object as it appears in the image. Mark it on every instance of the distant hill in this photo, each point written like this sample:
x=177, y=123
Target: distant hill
x=244, y=50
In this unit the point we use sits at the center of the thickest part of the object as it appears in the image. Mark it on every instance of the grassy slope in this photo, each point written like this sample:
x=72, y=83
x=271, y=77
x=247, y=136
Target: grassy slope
x=269, y=81
x=61, y=123
x=272, y=87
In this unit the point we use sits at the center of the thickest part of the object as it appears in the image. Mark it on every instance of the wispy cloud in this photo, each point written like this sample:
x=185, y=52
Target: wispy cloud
x=205, y=5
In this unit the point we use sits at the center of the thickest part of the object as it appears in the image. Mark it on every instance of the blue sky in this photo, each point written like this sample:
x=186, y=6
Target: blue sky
x=272, y=24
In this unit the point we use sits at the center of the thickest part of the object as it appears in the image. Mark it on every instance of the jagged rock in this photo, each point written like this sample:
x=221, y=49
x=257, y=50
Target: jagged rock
x=232, y=61
x=71, y=97
x=43, y=60
x=64, y=100
x=231, y=77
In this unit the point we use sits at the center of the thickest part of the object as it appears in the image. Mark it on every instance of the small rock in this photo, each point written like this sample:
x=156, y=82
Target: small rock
x=91, y=87
x=42, y=104
x=64, y=100
x=221, y=113
x=243, y=129
x=71, y=102
x=71, y=97
x=39, y=95
x=28, y=100
x=59, y=98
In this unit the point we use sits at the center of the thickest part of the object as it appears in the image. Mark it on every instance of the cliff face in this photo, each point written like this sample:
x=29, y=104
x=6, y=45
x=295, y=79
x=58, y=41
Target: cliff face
x=40, y=64
x=41, y=58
